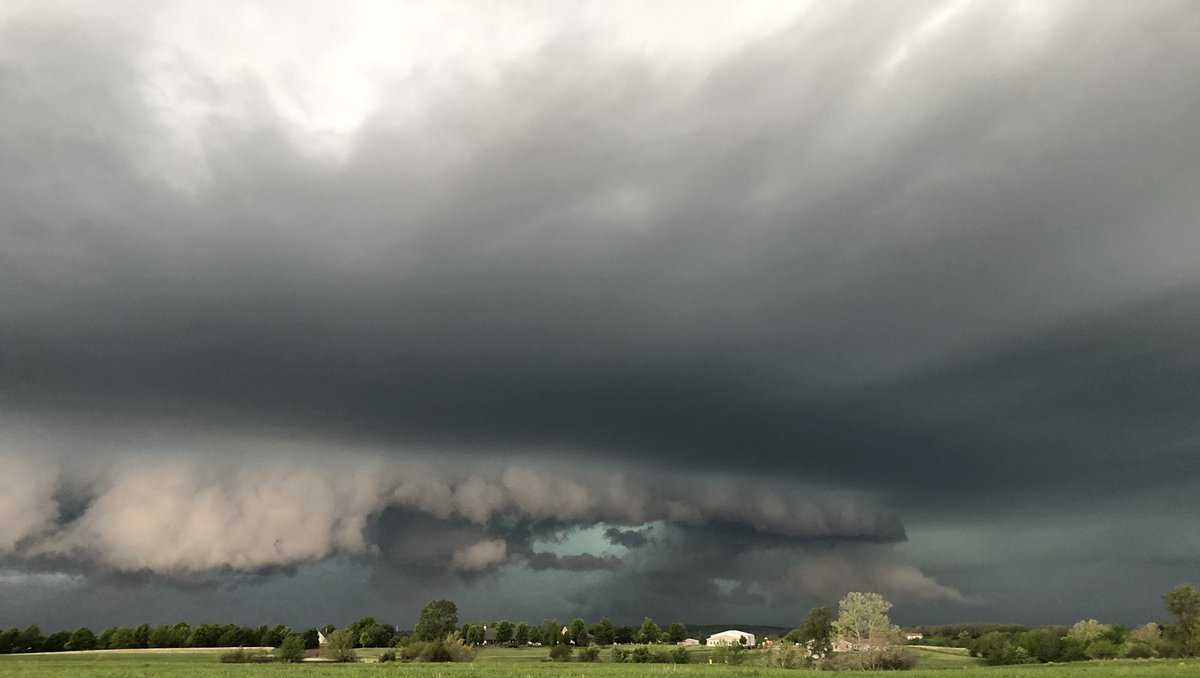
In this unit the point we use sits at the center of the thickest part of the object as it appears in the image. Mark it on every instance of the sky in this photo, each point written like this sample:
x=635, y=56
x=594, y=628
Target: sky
x=711, y=312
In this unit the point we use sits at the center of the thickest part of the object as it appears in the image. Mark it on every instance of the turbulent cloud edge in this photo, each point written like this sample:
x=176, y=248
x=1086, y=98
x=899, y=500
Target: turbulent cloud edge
x=182, y=516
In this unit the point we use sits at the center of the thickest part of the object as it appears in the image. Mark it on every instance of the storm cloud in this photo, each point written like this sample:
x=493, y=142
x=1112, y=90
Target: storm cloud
x=723, y=315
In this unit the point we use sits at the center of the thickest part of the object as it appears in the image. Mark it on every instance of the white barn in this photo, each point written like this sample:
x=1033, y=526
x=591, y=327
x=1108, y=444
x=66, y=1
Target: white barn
x=732, y=637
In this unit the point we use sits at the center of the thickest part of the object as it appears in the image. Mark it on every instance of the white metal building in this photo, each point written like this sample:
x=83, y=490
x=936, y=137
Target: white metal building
x=731, y=637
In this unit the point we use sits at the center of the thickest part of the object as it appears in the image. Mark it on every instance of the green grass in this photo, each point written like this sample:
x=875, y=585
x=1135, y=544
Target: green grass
x=526, y=663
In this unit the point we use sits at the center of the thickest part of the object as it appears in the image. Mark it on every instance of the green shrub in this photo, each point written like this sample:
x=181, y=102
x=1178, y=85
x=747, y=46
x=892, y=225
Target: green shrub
x=661, y=657
x=619, y=655
x=450, y=649
x=291, y=650
x=241, y=656
x=561, y=653
x=1138, y=650
x=640, y=655
x=892, y=658
x=339, y=646
x=680, y=655
x=588, y=654
x=1103, y=648
x=387, y=656
x=729, y=654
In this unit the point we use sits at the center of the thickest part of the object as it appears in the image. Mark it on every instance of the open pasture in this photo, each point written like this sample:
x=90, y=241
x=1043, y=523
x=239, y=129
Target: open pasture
x=528, y=663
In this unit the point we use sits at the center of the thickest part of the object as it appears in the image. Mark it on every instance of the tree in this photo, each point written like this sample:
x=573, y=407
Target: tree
x=623, y=634
x=676, y=632
x=649, y=632
x=578, y=632
x=82, y=639
x=1183, y=602
x=376, y=635
x=535, y=635
x=603, y=632
x=291, y=649
x=30, y=639
x=273, y=636
x=359, y=626
x=8, y=640
x=521, y=635
x=550, y=634
x=1044, y=644
x=339, y=646
x=311, y=640
x=863, y=620
x=816, y=631
x=56, y=642
x=504, y=632
x=1087, y=630
x=438, y=619
x=474, y=635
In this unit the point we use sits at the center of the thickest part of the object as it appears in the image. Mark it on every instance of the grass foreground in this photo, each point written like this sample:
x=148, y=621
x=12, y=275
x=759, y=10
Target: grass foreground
x=529, y=663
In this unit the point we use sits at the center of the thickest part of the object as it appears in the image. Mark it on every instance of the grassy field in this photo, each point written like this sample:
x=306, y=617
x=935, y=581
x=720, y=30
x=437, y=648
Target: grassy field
x=526, y=663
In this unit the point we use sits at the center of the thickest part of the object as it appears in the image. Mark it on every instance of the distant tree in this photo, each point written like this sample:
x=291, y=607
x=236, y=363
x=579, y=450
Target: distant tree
x=339, y=646
x=521, y=635
x=817, y=629
x=274, y=636
x=291, y=649
x=162, y=636
x=474, y=635
x=1087, y=630
x=376, y=635
x=1044, y=644
x=676, y=632
x=504, y=632
x=56, y=642
x=550, y=632
x=535, y=635
x=104, y=640
x=361, y=625
x=8, y=640
x=82, y=639
x=311, y=640
x=603, y=632
x=624, y=635
x=578, y=632
x=205, y=635
x=141, y=636
x=1183, y=602
x=863, y=620
x=438, y=619
x=31, y=639
x=649, y=632
x=122, y=639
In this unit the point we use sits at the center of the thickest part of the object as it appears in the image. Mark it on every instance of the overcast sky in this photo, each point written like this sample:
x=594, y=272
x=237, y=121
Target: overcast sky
x=707, y=311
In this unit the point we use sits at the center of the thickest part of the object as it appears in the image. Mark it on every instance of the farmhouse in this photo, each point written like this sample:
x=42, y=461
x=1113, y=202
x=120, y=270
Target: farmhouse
x=732, y=637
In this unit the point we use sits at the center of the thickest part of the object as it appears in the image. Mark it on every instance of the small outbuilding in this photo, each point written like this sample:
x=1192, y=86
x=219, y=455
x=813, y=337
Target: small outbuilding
x=732, y=637
x=688, y=642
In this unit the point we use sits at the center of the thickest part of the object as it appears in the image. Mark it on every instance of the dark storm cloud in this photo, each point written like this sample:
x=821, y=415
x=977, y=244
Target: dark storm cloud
x=943, y=260
x=630, y=539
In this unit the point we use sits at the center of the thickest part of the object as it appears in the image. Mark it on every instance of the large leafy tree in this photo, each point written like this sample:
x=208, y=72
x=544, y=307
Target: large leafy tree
x=816, y=631
x=863, y=619
x=676, y=632
x=521, y=635
x=82, y=639
x=649, y=632
x=438, y=619
x=1184, y=603
x=551, y=632
x=603, y=632
x=504, y=632
x=578, y=632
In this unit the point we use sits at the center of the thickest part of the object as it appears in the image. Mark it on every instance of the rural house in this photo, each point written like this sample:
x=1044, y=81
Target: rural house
x=732, y=637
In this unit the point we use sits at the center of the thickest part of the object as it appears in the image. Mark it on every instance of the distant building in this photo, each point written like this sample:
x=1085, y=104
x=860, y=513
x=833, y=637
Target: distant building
x=321, y=639
x=732, y=637
x=688, y=642
x=914, y=636
x=489, y=634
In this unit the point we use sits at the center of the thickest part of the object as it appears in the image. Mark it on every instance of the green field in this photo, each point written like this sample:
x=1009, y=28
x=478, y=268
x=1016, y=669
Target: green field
x=527, y=663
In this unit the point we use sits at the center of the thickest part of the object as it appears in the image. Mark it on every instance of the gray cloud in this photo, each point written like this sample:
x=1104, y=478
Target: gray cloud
x=927, y=265
x=630, y=539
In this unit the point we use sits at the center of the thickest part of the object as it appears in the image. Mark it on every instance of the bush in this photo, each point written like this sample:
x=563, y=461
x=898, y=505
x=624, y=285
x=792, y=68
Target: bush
x=450, y=649
x=387, y=656
x=241, y=656
x=640, y=655
x=785, y=655
x=340, y=646
x=892, y=658
x=680, y=655
x=1103, y=649
x=619, y=655
x=729, y=654
x=291, y=650
x=1138, y=650
x=561, y=653
x=661, y=657
x=589, y=654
